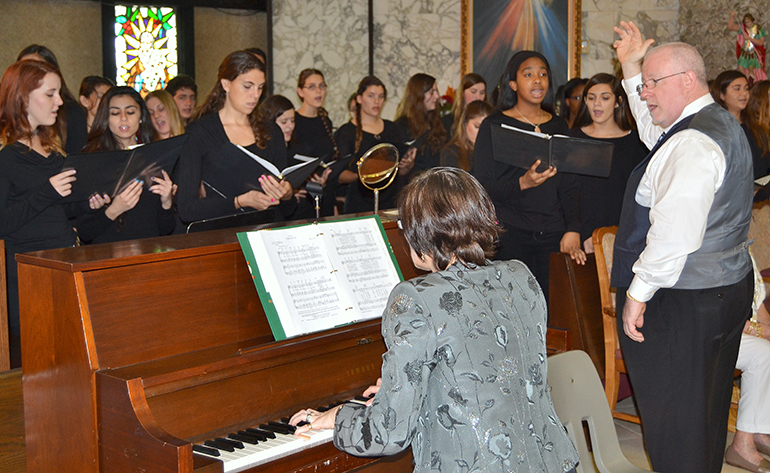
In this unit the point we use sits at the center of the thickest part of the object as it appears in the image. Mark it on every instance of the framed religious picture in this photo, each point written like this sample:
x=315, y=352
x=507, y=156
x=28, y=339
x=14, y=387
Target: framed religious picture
x=145, y=47
x=493, y=31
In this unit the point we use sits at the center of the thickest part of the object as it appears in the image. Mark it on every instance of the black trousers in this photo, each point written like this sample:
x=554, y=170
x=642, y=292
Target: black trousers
x=682, y=372
x=533, y=249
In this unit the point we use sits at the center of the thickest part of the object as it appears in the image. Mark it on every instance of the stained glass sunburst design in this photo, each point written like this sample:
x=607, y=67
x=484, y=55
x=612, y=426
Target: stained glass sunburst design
x=145, y=47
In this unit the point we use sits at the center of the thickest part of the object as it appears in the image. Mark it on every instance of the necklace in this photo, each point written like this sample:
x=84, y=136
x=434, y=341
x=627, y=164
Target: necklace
x=539, y=122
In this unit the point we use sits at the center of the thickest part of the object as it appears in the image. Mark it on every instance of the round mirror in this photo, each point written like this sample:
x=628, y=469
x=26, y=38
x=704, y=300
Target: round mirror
x=377, y=169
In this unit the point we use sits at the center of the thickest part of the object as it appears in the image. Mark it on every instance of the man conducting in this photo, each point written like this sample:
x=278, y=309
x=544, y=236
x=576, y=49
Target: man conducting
x=681, y=260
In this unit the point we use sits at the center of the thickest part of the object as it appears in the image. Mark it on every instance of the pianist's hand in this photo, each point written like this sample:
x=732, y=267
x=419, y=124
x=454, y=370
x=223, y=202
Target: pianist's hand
x=372, y=390
x=317, y=420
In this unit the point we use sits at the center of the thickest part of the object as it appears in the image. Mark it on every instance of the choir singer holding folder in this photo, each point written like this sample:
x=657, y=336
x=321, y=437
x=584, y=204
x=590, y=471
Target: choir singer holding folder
x=229, y=116
x=540, y=211
x=463, y=380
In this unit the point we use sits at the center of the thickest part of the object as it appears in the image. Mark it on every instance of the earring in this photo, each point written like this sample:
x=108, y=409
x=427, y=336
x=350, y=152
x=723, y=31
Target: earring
x=422, y=257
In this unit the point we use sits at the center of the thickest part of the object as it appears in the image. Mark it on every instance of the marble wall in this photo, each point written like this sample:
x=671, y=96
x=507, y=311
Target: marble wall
x=703, y=24
x=657, y=19
x=329, y=35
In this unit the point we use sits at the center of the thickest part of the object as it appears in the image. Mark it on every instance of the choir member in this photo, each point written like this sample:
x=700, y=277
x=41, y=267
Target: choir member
x=184, y=90
x=32, y=181
x=540, y=211
x=229, y=115
x=458, y=152
x=121, y=121
x=418, y=115
x=758, y=126
x=92, y=88
x=604, y=115
x=573, y=94
x=313, y=129
x=473, y=87
x=74, y=131
x=164, y=114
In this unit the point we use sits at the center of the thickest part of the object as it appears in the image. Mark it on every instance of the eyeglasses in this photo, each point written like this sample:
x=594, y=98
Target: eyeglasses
x=313, y=87
x=651, y=83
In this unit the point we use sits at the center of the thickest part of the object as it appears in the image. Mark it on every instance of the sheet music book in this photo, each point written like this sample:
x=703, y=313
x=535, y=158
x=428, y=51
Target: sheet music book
x=522, y=148
x=296, y=175
x=318, y=276
x=109, y=172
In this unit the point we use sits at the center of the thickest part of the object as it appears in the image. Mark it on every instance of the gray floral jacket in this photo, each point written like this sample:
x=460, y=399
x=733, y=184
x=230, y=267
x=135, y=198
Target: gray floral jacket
x=464, y=377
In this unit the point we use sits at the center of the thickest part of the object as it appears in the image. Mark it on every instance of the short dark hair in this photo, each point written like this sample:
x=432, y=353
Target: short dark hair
x=720, y=84
x=446, y=213
x=89, y=84
x=181, y=82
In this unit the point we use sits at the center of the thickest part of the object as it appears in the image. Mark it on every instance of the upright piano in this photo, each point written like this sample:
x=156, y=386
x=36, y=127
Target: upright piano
x=133, y=352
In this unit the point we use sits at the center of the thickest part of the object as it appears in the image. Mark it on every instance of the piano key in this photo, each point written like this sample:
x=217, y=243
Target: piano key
x=275, y=428
x=232, y=443
x=245, y=438
x=219, y=445
x=207, y=450
x=264, y=433
x=283, y=425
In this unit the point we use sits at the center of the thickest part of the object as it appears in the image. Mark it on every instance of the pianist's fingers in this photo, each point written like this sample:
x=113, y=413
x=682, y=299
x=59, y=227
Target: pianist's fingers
x=371, y=391
x=298, y=417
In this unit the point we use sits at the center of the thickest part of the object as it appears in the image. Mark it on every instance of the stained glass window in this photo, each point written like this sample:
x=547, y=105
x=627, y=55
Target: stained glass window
x=145, y=47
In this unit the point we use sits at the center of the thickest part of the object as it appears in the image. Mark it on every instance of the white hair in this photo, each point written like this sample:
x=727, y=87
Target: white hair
x=686, y=56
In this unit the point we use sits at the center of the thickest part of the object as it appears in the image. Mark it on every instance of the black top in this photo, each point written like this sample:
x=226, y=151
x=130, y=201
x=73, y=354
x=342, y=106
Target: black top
x=450, y=156
x=358, y=198
x=448, y=120
x=311, y=137
x=206, y=137
x=427, y=157
x=77, y=128
x=146, y=220
x=30, y=218
x=553, y=206
x=602, y=197
x=760, y=160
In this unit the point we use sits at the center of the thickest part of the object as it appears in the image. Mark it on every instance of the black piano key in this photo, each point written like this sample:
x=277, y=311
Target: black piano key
x=268, y=434
x=284, y=425
x=206, y=450
x=234, y=443
x=275, y=428
x=219, y=445
x=244, y=438
x=363, y=398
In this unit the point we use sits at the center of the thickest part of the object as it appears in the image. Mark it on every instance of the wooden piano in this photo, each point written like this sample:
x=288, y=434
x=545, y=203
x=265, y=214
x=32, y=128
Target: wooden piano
x=134, y=351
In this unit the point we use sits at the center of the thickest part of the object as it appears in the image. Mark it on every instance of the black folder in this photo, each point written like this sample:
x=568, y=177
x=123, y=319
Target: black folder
x=109, y=172
x=521, y=148
x=239, y=172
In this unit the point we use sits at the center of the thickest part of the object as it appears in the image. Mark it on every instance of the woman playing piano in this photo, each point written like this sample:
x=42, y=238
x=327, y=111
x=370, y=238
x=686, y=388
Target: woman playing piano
x=463, y=380
x=229, y=115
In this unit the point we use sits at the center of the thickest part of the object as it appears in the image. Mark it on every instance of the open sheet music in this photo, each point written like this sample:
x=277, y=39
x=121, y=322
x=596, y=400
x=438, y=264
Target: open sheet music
x=318, y=276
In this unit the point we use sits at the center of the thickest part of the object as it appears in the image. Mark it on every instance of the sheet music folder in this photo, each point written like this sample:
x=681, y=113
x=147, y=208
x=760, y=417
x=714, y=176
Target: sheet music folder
x=109, y=172
x=319, y=276
x=521, y=148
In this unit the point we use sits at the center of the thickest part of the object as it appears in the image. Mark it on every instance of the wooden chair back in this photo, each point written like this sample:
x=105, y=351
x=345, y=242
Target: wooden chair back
x=604, y=241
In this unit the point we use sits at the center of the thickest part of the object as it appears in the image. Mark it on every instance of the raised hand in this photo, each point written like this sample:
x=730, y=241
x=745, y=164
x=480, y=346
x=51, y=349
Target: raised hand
x=631, y=48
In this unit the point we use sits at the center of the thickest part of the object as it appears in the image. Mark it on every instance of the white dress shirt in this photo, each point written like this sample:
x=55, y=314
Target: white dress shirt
x=678, y=186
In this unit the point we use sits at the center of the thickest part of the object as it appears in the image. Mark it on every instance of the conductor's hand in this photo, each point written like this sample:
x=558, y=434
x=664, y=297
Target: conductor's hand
x=633, y=319
x=125, y=201
x=630, y=48
x=570, y=243
x=278, y=190
x=62, y=182
x=372, y=390
x=257, y=200
x=533, y=178
x=314, y=420
x=406, y=163
x=165, y=189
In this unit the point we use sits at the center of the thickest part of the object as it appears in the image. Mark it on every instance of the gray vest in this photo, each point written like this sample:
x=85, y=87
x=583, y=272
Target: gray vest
x=723, y=258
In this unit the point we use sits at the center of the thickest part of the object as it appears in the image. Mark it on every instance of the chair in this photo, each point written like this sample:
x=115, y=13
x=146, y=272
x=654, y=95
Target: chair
x=577, y=396
x=5, y=353
x=604, y=241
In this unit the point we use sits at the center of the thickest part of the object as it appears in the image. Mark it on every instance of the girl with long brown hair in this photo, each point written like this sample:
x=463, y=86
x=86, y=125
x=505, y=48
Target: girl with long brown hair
x=758, y=125
x=458, y=152
x=229, y=115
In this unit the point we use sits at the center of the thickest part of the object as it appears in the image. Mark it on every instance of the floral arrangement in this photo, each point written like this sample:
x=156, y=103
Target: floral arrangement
x=446, y=101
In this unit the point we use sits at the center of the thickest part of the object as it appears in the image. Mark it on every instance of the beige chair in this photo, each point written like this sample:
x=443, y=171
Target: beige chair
x=576, y=391
x=604, y=241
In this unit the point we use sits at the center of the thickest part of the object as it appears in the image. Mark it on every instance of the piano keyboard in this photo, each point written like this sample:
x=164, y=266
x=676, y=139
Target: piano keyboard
x=259, y=445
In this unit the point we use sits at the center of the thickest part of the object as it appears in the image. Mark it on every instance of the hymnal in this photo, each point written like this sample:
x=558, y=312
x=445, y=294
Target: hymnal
x=521, y=148
x=319, y=276
x=296, y=175
x=109, y=172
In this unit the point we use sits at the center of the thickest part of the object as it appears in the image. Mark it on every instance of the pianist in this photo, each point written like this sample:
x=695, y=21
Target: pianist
x=464, y=378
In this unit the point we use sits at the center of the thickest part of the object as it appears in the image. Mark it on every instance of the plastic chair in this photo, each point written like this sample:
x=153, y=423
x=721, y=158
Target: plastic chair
x=576, y=391
x=604, y=241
